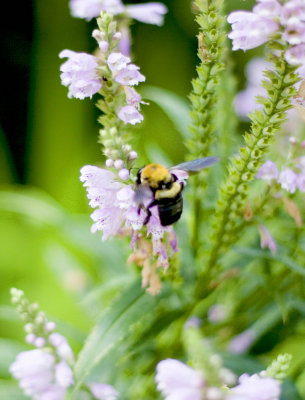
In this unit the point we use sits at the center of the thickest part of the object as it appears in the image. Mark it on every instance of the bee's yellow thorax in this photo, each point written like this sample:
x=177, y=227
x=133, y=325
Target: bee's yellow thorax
x=153, y=174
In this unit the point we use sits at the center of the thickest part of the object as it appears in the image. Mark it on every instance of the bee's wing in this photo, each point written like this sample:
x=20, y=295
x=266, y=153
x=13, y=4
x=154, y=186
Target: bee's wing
x=196, y=165
x=142, y=194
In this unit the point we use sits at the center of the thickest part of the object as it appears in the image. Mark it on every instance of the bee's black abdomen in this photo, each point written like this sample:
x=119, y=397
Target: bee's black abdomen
x=170, y=210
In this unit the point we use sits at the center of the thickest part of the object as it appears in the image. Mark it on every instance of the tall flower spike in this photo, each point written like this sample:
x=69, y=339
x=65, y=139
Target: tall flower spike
x=204, y=95
x=228, y=216
x=45, y=373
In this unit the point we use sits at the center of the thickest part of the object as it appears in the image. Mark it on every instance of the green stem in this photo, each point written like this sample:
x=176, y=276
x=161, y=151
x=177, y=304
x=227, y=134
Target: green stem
x=244, y=166
x=204, y=96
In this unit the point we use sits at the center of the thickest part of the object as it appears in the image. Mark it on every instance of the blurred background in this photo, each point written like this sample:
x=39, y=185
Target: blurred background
x=45, y=138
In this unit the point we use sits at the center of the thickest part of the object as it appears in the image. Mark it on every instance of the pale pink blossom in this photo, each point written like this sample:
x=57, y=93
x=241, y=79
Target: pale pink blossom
x=296, y=55
x=250, y=30
x=39, y=375
x=301, y=182
x=242, y=342
x=79, y=74
x=294, y=34
x=255, y=387
x=117, y=61
x=267, y=240
x=149, y=13
x=102, y=391
x=268, y=171
x=130, y=115
x=129, y=76
x=177, y=381
x=288, y=180
x=89, y=9
x=293, y=12
x=268, y=8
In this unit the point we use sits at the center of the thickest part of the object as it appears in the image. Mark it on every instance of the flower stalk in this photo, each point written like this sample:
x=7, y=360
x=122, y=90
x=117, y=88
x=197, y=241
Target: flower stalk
x=204, y=96
x=244, y=166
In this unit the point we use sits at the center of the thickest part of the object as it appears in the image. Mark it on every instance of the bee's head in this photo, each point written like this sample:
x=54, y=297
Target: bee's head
x=154, y=174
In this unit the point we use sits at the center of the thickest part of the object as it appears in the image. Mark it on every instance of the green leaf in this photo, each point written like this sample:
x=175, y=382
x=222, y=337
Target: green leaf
x=175, y=107
x=266, y=255
x=112, y=328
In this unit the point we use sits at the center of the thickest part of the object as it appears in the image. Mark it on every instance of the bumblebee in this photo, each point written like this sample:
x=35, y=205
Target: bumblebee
x=163, y=184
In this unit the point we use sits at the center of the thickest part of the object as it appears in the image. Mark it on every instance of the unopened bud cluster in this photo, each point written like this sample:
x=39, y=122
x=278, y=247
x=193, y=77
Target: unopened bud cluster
x=37, y=327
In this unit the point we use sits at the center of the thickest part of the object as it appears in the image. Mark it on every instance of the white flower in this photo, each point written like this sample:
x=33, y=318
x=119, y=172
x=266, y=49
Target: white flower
x=288, y=180
x=255, y=387
x=40, y=377
x=130, y=115
x=102, y=391
x=117, y=61
x=177, y=381
x=149, y=13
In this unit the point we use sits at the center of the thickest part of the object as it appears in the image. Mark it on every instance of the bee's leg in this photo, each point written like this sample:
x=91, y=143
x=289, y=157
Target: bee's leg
x=152, y=204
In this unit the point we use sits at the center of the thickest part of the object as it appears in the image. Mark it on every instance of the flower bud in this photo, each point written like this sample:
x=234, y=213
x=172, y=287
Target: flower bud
x=118, y=164
x=109, y=163
x=39, y=342
x=133, y=155
x=30, y=338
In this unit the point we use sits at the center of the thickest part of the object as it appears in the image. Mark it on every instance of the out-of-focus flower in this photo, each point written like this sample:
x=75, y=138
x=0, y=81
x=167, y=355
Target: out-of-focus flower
x=268, y=171
x=268, y=8
x=217, y=313
x=255, y=387
x=89, y=9
x=39, y=375
x=301, y=182
x=130, y=115
x=288, y=180
x=296, y=55
x=267, y=240
x=177, y=381
x=150, y=13
x=242, y=342
x=101, y=391
x=79, y=74
x=250, y=30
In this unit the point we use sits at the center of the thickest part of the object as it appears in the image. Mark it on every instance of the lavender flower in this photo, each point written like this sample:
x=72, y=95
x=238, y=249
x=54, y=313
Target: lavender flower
x=255, y=387
x=242, y=342
x=177, y=381
x=39, y=375
x=150, y=13
x=268, y=171
x=117, y=61
x=296, y=55
x=102, y=391
x=301, y=182
x=130, y=115
x=288, y=180
x=89, y=9
x=267, y=240
x=130, y=76
x=79, y=74
x=250, y=30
